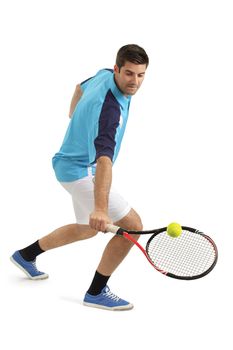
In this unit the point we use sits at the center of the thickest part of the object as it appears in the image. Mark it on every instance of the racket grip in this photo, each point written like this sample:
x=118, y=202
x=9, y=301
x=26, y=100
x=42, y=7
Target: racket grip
x=112, y=228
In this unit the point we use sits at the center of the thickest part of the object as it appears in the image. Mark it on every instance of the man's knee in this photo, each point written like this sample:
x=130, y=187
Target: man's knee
x=131, y=221
x=137, y=226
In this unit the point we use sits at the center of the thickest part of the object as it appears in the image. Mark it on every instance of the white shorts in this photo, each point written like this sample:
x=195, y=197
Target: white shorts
x=82, y=192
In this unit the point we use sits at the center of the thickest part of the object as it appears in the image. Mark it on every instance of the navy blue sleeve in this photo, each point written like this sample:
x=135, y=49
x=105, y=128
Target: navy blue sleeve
x=108, y=123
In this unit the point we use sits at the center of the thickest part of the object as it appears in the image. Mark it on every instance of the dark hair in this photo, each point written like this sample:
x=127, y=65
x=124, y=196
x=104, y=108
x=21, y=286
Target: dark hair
x=132, y=53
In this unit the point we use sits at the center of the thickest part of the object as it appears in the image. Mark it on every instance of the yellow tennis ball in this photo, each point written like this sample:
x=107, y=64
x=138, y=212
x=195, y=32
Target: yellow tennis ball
x=174, y=230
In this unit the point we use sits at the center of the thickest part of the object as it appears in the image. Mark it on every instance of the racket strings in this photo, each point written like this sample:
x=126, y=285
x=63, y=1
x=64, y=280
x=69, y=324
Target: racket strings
x=188, y=255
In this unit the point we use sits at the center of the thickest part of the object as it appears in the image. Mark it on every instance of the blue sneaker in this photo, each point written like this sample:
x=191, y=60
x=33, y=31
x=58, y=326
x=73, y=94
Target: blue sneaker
x=106, y=300
x=28, y=267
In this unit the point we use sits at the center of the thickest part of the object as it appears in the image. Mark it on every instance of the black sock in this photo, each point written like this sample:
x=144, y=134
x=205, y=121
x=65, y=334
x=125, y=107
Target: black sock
x=98, y=283
x=31, y=252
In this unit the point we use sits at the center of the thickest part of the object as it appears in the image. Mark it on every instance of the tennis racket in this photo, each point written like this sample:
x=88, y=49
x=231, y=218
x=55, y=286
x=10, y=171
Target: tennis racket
x=190, y=256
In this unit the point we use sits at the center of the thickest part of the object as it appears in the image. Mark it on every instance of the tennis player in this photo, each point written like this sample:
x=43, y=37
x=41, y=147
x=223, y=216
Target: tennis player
x=83, y=166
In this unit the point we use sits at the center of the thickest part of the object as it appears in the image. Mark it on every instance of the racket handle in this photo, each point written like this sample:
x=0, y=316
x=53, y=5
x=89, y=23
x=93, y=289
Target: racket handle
x=112, y=228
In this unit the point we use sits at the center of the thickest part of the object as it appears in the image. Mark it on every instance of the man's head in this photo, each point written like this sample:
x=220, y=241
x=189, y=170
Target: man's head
x=131, y=64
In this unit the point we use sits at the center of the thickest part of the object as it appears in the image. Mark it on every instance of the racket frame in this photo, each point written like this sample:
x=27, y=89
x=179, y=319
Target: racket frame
x=127, y=235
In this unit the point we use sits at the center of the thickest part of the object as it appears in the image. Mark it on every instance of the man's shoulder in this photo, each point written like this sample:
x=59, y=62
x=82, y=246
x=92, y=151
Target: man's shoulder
x=99, y=85
x=106, y=71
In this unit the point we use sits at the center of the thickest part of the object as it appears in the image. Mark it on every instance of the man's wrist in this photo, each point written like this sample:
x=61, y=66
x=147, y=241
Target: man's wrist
x=101, y=209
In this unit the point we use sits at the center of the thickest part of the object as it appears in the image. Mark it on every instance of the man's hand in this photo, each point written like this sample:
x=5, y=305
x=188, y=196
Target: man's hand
x=99, y=220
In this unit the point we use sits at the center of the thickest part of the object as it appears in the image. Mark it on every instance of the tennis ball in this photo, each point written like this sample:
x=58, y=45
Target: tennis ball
x=174, y=230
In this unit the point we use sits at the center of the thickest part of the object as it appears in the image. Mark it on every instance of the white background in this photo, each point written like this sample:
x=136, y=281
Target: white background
x=175, y=165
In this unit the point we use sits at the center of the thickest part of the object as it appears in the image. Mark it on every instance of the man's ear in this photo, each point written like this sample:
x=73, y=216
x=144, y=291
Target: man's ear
x=116, y=69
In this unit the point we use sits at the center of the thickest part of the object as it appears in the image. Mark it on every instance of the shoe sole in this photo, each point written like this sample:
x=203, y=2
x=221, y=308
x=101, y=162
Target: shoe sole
x=40, y=277
x=114, y=308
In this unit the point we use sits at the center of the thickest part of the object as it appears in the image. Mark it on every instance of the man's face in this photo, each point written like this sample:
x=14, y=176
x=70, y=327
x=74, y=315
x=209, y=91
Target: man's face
x=130, y=77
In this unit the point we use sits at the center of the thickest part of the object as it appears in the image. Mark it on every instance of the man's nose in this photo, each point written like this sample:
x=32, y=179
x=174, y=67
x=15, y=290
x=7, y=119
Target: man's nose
x=135, y=79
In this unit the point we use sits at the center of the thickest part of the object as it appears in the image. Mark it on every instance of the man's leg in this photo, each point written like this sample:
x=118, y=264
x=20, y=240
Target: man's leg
x=98, y=294
x=118, y=247
x=25, y=258
x=66, y=235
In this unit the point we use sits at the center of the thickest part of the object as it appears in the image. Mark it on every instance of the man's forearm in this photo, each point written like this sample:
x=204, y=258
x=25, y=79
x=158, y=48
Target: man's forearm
x=76, y=97
x=103, y=181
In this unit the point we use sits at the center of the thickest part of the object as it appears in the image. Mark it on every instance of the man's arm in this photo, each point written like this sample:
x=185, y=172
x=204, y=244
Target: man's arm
x=76, y=97
x=103, y=180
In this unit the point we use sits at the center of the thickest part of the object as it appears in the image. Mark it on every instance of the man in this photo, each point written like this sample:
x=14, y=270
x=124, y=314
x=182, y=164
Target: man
x=98, y=112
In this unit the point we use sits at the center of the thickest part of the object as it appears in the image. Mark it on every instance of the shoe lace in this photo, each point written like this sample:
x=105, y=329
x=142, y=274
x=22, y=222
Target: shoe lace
x=112, y=296
x=34, y=264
